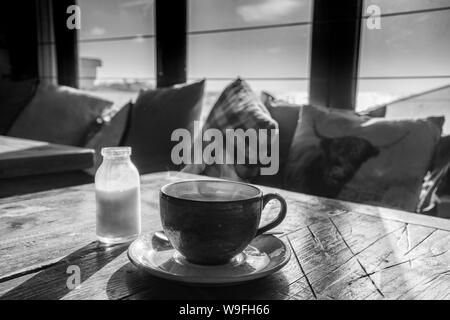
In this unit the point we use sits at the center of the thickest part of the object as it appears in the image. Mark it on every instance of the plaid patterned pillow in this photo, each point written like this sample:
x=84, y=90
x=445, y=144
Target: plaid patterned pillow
x=238, y=108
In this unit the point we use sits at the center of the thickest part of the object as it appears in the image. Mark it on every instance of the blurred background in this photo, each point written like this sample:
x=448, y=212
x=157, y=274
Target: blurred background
x=267, y=42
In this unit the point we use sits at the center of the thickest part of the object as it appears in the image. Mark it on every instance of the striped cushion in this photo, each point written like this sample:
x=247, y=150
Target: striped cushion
x=238, y=108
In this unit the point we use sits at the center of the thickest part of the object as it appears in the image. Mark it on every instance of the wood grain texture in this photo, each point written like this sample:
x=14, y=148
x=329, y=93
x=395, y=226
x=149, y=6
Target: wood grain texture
x=22, y=157
x=37, y=183
x=340, y=250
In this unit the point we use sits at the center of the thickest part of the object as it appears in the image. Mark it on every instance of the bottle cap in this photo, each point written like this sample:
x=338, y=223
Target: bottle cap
x=116, y=152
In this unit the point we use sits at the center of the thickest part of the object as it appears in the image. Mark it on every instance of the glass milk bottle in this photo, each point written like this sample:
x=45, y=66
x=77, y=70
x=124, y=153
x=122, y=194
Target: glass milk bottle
x=117, y=193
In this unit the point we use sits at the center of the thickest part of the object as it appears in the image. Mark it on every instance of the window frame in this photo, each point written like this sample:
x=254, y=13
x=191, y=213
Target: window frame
x=66, y=44
x=335, y=53
x=335, y=45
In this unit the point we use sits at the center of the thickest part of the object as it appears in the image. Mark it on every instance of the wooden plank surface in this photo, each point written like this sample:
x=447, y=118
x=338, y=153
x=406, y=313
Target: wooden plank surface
x=42, y=182
x=22, y=157
x=340, y=250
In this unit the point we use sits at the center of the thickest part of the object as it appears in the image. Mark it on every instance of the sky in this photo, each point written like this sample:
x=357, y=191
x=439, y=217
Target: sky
x=409, y=45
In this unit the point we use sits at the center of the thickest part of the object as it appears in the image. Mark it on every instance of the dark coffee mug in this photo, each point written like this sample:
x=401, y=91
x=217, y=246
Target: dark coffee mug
x=211, y=221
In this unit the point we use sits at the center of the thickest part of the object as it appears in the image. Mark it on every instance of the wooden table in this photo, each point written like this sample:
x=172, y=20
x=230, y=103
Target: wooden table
x=29, y=166
x=341, y=250
x=23, y=157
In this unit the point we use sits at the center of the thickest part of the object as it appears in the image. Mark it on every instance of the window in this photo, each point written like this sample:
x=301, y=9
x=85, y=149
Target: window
x=46, y=43
x=116, y=47
x=408, y=55
x=266, y=42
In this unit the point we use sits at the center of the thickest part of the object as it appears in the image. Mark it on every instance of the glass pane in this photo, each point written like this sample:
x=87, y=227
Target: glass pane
x=434, y=102
x=115, y=18
x=132, y=59
x=413, y=47
x=122, y=66
x=390, y=6
x=377, y=92
x=219, y=14
x=118, y=68
x=413, y=44
x=275, y=59
x=279, y=52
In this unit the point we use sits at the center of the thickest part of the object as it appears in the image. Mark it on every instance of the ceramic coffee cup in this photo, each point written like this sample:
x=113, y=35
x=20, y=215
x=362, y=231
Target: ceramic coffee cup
x=211, y=221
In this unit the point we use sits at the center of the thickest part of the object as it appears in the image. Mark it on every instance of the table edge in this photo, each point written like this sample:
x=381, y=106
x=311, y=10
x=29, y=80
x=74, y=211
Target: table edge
x=382, y=212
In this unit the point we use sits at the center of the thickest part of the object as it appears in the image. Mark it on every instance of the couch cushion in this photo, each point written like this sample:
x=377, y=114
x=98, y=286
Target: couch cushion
x=154, y=116
x=342, y=155
x=236, y=108
x=110, y=133
x=436, y=183
x=286, y=115
x=14, y=96
x=59, y=114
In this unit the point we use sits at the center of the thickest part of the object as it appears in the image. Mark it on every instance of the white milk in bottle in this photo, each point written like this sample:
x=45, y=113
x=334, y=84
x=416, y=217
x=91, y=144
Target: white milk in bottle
x=117, y=193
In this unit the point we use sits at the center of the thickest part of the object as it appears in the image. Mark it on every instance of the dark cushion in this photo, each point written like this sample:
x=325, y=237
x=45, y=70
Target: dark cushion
x=14, y=96
x=287, y=118
x=286, y=115
x=154, y=116
x=61, y=115
x=442, y=164
x=110, y=133
x=437, y=182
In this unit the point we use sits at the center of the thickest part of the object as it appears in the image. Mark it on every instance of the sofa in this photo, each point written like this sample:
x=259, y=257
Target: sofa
x=69, y=116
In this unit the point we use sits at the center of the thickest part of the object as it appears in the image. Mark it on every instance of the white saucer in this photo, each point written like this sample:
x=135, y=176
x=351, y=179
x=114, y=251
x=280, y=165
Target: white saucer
x=265, y=255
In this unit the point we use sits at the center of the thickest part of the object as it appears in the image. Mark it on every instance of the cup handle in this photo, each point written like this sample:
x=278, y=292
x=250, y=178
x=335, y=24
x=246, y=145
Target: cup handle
x=281, y=214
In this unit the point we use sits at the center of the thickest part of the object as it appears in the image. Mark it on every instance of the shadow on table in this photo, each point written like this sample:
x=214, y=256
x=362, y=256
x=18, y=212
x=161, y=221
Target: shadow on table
x=52, y=282
x=130, y=283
